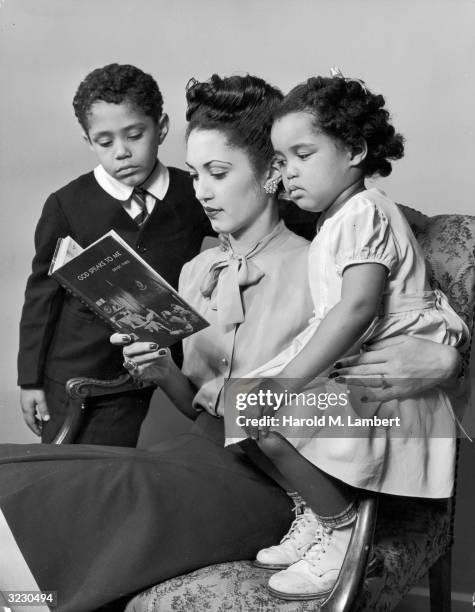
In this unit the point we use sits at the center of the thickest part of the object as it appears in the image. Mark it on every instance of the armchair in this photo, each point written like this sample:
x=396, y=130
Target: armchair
x=408, y=537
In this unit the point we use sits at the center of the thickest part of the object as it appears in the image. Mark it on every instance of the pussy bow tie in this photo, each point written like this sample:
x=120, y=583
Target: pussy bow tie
x=224, y=280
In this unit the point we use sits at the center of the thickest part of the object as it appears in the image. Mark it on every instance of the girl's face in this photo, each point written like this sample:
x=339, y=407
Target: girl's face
x=225, y=183
x=315, y=168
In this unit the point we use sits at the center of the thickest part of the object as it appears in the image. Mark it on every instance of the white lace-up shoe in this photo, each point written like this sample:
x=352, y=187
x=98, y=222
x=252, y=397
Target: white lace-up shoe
x=314, y=576
x=293, y=545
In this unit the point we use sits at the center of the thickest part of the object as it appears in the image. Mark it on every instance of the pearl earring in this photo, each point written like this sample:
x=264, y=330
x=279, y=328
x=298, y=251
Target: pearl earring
x=271, y=185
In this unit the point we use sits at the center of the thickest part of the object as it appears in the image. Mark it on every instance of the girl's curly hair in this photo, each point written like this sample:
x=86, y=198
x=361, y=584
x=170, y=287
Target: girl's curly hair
x=117, y=83
x=240, y=107
x=346, y=110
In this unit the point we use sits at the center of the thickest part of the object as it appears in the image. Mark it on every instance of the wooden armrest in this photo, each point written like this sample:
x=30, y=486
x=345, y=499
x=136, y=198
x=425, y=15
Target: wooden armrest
x=79, y=389
x=353, y=570
x=82, y=387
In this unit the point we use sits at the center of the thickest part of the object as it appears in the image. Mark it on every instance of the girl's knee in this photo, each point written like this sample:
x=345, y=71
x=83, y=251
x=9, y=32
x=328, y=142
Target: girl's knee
x=274, y=445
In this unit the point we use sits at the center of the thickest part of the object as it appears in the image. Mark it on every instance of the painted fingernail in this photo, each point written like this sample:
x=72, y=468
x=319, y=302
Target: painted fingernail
x=333, y=375
x=153, y=346
x=125, y=338
x=340, y=379
x=162, y=352
x=337, y=365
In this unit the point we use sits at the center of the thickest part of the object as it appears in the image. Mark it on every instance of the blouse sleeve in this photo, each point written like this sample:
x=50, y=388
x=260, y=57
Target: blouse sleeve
x=183, y=279
x=364, y=236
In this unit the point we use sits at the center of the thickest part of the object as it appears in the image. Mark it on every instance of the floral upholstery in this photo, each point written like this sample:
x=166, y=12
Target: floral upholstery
x=448, y=242
x=408, y=540
x=411, y=534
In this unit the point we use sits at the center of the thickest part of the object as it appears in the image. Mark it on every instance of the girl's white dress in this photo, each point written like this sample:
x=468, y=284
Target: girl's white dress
x=414, y=456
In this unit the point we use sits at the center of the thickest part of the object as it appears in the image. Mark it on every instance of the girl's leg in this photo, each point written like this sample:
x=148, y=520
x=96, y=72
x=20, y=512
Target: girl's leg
x=315, y=574
x=263, y=462
x=14, y=572
x=301, y=534
x=326, y=495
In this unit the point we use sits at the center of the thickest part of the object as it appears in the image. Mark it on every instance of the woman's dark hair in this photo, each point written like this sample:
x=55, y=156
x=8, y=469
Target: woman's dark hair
x=241, y=108
x=117, y=83
x=346, y=110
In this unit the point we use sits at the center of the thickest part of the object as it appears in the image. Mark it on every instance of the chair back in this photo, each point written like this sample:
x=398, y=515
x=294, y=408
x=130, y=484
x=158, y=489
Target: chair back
x=448, y=242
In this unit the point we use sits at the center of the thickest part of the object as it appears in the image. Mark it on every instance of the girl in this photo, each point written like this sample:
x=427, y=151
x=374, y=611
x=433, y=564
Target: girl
x=368, y=281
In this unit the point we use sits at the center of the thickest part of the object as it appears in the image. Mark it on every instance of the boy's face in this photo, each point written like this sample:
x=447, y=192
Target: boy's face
x=125, y=140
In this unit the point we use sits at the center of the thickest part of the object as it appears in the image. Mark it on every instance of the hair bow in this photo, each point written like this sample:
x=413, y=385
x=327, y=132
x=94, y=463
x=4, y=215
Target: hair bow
x=191, y=83
x=336, y=73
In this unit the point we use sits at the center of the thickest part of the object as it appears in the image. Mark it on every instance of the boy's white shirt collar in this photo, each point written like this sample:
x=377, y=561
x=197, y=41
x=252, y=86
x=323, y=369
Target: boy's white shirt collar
x=157, y=183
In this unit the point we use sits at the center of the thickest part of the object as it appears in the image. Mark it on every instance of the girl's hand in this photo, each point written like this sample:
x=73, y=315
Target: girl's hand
x=239, y=389
x=262, y=390
x=399, y=367
x=145, y=361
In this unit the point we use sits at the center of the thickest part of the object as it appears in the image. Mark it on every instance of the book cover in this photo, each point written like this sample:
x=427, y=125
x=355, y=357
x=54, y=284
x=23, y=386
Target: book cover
x=125, y=291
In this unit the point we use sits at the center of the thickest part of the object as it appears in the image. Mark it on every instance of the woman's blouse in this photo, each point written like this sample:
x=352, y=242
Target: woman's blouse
x=256, y=304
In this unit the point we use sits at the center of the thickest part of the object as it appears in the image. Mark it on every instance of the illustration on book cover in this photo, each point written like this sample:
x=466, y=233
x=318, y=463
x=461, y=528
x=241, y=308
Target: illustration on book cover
x=120, y=287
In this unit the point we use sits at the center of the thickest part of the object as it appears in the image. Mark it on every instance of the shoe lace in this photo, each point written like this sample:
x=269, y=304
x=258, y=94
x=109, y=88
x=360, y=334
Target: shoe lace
x=299, y=504
x=300, y=522
x=323, y=536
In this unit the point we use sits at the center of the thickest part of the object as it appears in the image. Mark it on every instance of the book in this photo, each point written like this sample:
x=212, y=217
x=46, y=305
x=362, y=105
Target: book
x=124, y=290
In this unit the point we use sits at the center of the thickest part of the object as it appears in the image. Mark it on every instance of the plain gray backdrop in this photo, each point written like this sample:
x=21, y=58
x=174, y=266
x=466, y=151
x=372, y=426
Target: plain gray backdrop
x=418, y=53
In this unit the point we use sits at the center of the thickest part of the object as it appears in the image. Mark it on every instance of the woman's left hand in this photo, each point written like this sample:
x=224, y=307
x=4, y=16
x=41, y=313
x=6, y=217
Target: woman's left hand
x=399, y=367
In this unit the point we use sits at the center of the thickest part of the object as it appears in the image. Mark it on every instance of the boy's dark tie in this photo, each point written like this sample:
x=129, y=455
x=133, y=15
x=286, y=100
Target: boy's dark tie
x=140, y=197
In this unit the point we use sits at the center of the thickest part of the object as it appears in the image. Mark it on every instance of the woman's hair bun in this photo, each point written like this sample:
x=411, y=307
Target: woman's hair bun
x=227, y=97
x=241, y=107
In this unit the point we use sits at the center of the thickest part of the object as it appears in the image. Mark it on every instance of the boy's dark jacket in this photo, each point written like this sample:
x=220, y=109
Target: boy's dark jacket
x=60, y=337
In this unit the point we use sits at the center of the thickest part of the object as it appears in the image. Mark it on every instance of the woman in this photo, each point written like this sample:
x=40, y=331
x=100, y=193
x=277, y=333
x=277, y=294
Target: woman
x=94, y=523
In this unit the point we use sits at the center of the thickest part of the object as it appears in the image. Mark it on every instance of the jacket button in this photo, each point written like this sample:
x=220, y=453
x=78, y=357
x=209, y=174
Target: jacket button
x=224, y=361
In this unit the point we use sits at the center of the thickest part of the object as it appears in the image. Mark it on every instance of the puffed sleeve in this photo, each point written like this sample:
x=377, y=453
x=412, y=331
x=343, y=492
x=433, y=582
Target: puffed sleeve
x=364, y=235
x=183, y=280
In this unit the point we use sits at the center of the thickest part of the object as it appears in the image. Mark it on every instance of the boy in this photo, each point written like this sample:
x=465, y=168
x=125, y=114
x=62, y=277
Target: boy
x=120, y=110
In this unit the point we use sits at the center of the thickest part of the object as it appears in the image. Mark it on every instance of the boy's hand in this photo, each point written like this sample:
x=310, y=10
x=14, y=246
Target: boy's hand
x=34, y=408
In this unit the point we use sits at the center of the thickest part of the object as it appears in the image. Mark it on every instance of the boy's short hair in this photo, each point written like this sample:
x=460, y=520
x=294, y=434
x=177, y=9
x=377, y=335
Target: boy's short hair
x=116, y=83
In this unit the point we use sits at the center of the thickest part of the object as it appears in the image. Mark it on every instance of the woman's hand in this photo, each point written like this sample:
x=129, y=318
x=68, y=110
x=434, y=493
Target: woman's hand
x=399, y=367
x=145, y=361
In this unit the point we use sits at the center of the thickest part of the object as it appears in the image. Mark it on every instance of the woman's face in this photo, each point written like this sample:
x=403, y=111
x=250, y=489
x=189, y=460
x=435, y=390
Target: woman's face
x=225, y=183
